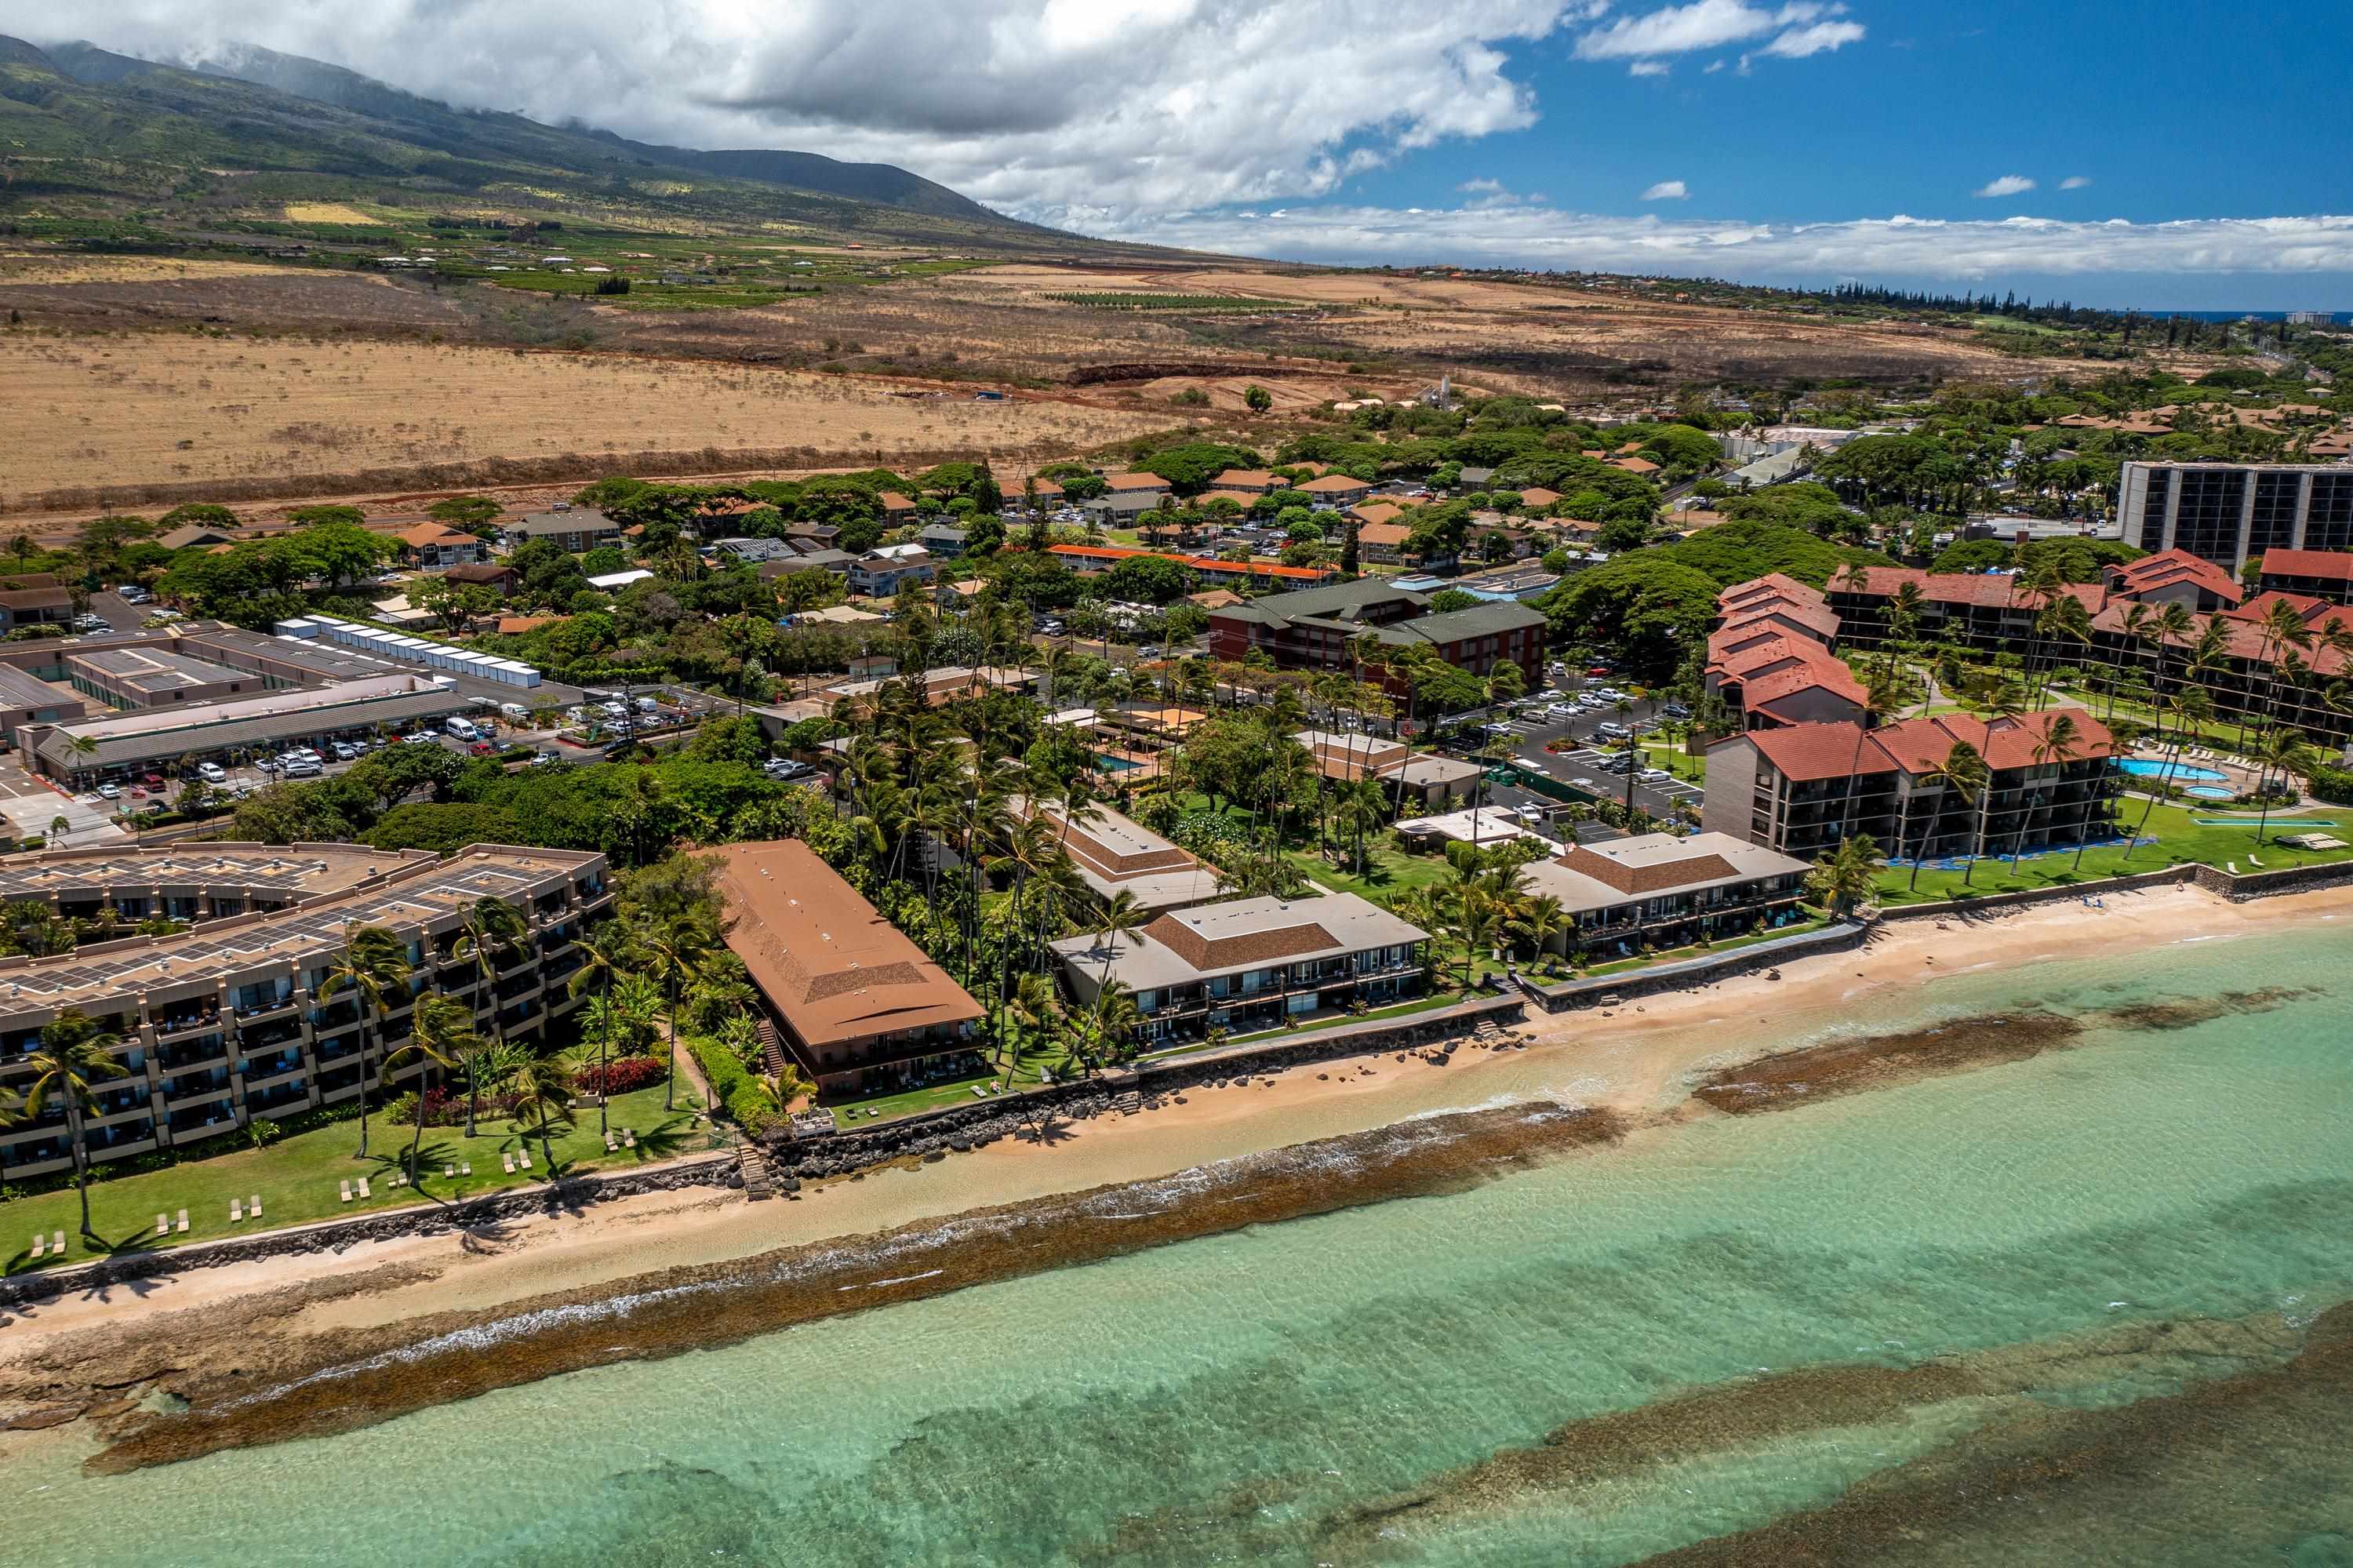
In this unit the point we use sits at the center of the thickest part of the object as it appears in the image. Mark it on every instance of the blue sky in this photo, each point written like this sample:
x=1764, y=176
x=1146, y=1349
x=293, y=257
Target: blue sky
x=1813, y=141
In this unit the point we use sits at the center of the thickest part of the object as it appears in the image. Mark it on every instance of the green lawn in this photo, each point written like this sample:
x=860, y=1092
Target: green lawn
x=298, y=1176
x=2178, y=838
x=1388, y=870
x=1658, y=752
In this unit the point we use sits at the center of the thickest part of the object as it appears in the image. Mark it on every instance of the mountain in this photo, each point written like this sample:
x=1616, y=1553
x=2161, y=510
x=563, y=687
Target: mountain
x=97, y=134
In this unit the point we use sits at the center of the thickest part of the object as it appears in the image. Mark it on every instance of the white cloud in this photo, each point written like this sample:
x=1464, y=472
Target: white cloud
x=1028, y=105
x=1799, y=43
x=1648, y=67
x=2074, y=182
x=1795, y=31
x=1894, y=247
x=1713, y=67
x=2007, y=186
x=1481, y=186
x=1666, y=190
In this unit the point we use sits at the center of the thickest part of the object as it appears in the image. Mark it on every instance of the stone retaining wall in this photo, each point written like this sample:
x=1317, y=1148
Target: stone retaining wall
x=1703, y=970
x=716, y=1170
x=956, y=1128
x=2164, y=876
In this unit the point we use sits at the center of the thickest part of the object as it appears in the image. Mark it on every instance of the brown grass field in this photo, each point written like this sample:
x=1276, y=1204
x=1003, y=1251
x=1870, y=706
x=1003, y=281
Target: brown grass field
x=101, y=420
x=144, y=380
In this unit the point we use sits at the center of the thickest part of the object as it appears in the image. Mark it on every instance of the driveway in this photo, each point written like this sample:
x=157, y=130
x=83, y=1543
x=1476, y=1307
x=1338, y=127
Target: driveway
x=31, y=806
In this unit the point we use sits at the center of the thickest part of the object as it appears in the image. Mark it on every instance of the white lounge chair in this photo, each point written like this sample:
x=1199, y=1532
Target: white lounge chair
x=612, y=1144
x=40, y=1247
x=184, y=1220
x=347, y=1192
x=254, y=1208
x=58, y=1243
x=523, y=1157
x=163, y=1224
x=507, y=1160
x=628, y=1137
x=364, y=1189
x=449, y=1173
x=465, y=1167
x=236, y=1211
x=2252, y=860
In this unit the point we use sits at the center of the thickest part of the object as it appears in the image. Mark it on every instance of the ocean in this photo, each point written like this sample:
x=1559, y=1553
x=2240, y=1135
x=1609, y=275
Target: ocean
x=2085, y=1308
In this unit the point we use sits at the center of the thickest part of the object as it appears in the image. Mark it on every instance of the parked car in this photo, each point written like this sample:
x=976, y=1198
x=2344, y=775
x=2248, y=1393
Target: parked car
x=110, y=791
x=1675, y=711
x=545, y=759
x=345, y=751
x=131, y=593
x=480, y=748
x=422, y=738
x=302, y=769
x=212, y=773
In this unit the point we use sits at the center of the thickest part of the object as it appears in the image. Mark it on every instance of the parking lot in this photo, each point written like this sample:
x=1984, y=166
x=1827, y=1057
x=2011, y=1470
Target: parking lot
x=1591, y=767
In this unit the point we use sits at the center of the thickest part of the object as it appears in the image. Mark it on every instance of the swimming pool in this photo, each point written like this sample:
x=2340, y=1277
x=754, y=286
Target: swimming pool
x=2143, y=768
x=2211, y=791
x=1111, y=764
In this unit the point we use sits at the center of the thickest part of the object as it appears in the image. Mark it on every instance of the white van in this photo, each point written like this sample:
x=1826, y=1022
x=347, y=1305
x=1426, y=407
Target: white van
x=462, y=729
x=648, y=706
x=514, y=713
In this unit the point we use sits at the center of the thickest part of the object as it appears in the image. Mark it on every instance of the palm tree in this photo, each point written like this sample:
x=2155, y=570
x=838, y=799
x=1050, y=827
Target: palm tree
x=543, y=1086
x=2133, y=628
x=1121, y=916
x=374, y=964
x=1961, y=772
x=2283, y=750
x=1539, y=920
x=488, y=930
x=1113, y=1019
x=1844, y=879
x=1877, y=698
x=2060, y=743
x=441, y=1036
x=2191, y=708
x=677, y=949
x=73, y=1056
x=603, y=956
x=59, y=827
x=2174, y=623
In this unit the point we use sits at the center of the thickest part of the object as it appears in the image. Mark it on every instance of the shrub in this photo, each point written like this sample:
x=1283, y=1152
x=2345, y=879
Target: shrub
x=2333, y=784
x=263, y=1133
x=744, y=1097
x=622, y=1075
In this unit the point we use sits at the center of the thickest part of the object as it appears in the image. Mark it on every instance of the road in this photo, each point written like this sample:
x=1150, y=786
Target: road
x=31, y=806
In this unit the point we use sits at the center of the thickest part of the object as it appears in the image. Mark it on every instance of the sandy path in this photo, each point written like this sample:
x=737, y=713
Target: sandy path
x=1636, y=1059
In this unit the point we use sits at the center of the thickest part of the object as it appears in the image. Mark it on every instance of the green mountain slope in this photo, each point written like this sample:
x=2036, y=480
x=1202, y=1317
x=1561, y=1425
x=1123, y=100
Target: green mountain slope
x=86, y=134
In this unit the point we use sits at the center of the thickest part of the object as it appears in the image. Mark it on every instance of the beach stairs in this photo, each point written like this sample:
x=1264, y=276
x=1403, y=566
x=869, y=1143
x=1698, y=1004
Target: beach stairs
x=772, y=1054
x=1129, y=1103
x=1489, y=1032
x=759, y=1184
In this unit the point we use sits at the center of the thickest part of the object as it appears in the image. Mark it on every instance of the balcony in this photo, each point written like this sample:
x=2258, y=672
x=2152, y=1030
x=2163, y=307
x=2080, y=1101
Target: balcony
x=269, y=1035
x=210, y=1051
x=173, y=1027
x=264, y=1011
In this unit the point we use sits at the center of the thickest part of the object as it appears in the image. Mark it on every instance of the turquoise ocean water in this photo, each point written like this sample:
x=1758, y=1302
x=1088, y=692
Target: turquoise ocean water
x=1727, y=1324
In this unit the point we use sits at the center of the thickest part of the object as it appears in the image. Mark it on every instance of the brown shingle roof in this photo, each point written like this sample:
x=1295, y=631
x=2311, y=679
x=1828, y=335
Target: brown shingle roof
x=1243, y=947
x=1642, y=878
x=824, y=958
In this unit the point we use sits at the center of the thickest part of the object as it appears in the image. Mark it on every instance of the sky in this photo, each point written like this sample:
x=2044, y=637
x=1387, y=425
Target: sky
x=2192, y=155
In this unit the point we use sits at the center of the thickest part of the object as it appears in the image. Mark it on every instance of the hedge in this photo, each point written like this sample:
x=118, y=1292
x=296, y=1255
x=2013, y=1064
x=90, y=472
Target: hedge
x=744, y=1097
x=2333, y=784
x=623, y=1075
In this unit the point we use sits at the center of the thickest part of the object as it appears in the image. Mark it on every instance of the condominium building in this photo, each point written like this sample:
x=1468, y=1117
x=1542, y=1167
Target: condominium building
x=857, y=1005
x=1113, y=855
x=1801, y=789
x=1660, y=891
x=2324, y=575
x=1250, y=964
x=2227, y=513
x=1315, y=629
x=230, y=1021
x=1424, y=778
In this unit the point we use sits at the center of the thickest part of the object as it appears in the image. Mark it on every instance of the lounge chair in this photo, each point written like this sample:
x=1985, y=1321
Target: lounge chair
x=2252, y=860
x=628, y=1137
x=40, y=1248
x=2234, y=865
x=58, y=1243
x=466, y=1168
x=449, y=1173
x=507, y=1162
x=347, y=1192
x=364, y=1189
x=523, y=1157
x=612, y=1144
x=163, y=1224
x=236, y=1211
x=254, y=1208
x=184, y=1220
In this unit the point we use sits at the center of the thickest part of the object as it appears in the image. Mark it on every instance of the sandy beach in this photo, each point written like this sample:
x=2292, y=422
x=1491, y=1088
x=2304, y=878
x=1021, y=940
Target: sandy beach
x=1638, y=1060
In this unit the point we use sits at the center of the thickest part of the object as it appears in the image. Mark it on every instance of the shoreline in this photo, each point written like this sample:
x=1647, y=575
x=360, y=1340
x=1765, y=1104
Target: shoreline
x=1641, y=1063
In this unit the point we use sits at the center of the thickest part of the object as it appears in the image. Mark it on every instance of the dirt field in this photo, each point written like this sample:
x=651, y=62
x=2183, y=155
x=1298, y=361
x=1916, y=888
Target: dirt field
x=325, y=212
x=168, y=409
x=19, y=267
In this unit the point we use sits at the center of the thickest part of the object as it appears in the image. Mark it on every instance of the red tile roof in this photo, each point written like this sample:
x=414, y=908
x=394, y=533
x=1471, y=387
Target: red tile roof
x=1772, y=585
x=1822, y=622
x=1199, y=563
x=2332, y=565
x=1806, y=752
x=2170, y=569
x=1814, y=751
x=1991, y=589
